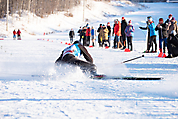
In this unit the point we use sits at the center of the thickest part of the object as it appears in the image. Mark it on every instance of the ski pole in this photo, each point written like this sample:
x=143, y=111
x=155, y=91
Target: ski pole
x=132, y=59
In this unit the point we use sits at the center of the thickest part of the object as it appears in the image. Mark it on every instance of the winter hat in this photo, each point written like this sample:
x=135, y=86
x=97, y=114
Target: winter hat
x=170, y=15
x=123, y=18
x=160, y=19
x=173, y=18
x=130, y=21
x=150, y=18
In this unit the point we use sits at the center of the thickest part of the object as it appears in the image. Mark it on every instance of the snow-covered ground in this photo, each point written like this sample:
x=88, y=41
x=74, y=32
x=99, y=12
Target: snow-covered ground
x=64, y=92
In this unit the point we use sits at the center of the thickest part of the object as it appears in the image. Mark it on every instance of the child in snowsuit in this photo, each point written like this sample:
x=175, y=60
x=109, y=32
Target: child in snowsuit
x=71, y=35
x=129, y=33
x=162, y=30
x=14, y=34
x=152, y=35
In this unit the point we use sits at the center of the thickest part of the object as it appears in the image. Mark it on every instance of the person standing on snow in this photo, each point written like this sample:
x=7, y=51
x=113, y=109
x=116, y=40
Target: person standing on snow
x=19, y=34
x=129, y=33
x=99, y=35
x=109, y=33
x=169, y=19
x=123, y=37
x=71, y=55
x=93, y=36
x=14, y=34
x=71, y=35
x=84, y=36
x=88, y=35
x=80, y=33
x=152, y=35
x=105, y=34
x=172, y=41
x=148, y=33
x=117, y=32
x=162, y=29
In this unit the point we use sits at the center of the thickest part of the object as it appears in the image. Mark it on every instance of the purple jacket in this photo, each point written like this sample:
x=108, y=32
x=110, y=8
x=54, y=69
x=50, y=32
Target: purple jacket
x=129, y=30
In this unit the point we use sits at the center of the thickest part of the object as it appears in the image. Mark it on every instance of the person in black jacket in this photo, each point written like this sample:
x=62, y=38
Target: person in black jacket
x=99, y=40
x=80, y=33
x=162, y=28
x=71, y=35
x=109, y=33
x=71, y=56
x=148, y=35
x=169, y=19
x=123, y=36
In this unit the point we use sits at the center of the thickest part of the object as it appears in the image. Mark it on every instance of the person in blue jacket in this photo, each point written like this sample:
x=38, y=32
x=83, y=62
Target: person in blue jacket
x=129, y=33
x=71, y=55
x=152, y=35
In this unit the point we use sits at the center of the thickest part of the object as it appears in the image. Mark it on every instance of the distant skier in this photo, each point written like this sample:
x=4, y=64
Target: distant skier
x=100, y=35
x=71, y=55
x=14, y=34
x=109, y=33
x=71, y=35
x=129, y=33
x=19, y=34
x=123, y=36
x=152, y=35
x=162, y=29
x=88, y=35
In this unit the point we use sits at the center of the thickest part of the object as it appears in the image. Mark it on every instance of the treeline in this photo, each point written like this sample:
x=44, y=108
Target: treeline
x=41, y=8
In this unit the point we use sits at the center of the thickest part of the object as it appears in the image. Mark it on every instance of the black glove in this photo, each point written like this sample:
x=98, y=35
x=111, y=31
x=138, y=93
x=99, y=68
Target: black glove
x=140, y=27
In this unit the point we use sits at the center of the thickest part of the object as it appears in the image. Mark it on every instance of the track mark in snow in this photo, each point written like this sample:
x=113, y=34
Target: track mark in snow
x=96, y=99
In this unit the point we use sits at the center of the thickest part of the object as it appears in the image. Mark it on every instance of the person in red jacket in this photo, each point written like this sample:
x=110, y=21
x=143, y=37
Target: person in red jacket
x=14, y=34
x=88, y=34
x=117, y=32
x=18, y=34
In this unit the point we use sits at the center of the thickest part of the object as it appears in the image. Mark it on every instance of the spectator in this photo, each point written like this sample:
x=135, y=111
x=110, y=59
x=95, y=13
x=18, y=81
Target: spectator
x=100, y=36
x=162, y=29
x=14, y=34
x=117, y=32
x=71, y=35
x=109, y=33
x=123, y=36
x=80, y=33
x=152, y=35
x=19, y=34
x=129, y=33
x=88, y=34
x=93, y=36
x=105, y=35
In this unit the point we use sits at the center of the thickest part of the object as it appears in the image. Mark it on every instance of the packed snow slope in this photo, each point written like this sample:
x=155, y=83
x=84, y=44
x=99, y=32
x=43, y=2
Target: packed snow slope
x=31, y=86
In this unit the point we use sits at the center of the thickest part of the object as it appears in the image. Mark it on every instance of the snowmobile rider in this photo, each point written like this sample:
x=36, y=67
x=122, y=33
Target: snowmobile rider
x=71, y=55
